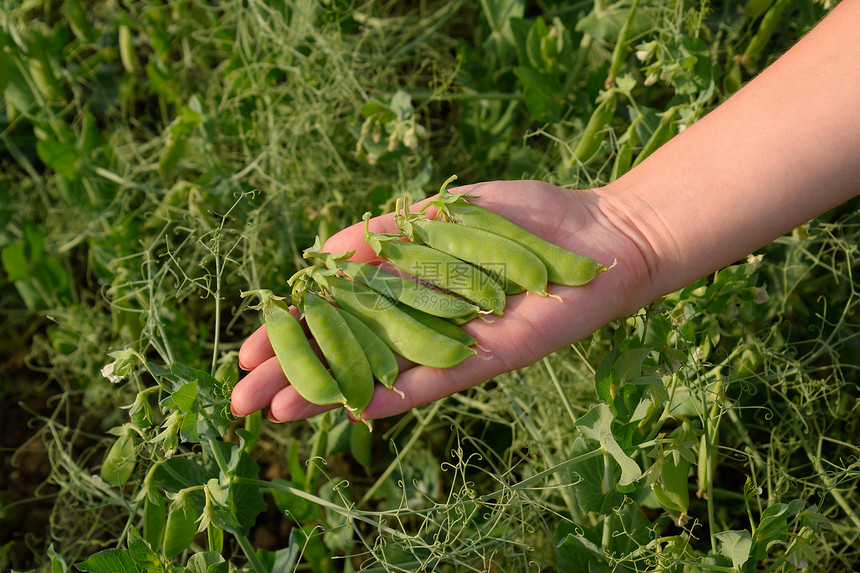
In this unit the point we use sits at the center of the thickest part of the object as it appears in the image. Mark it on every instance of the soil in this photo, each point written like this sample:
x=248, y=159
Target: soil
x=26, y=499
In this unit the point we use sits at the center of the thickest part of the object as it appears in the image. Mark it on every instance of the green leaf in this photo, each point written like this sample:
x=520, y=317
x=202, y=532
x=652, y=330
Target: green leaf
x=499, y=14
x=361, y=440
x=142, y=553
x=212, y=418
x=597, y=425
x=338, y=437
x=176, y=474
x=207, y=562
x=536, y=35
x=6, y=67
x=61, y=157
x=15, y=262
x=111, y=561
x=539, y=93
x=628, y=367
x=401, y=105
x=603, y=380
x=182, y=398
x=284, y=559
x=244, y=501
x=58, y=564
x=735, y=545
x=297, y=472
x=577, y=549
x=588, y=483
x=297, y=508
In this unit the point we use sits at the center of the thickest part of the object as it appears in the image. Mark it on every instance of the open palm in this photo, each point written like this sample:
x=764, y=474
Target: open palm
x=532, y=326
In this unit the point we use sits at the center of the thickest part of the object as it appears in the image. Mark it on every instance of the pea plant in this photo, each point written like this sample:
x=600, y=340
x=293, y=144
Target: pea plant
x=160, y=159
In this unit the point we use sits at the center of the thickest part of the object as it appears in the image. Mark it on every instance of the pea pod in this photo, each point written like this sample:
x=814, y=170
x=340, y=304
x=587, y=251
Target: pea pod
x=755, y=8
x=672, y=490
x=442, y=270
x=563, y=267
x=127, y=51
x=624, y=156
x=403, y=334
x=765, y=31
x=593, y=133
x=619, y=53
x=381, y=358
x=154, y=519
x=502, y=257
x=623, y=160
x=441, y=325
x=181, y=526
x=120, y=460
x=663, y=133
x=79, y=21
x=300, y=364
x=408, y=292
x=342, y=351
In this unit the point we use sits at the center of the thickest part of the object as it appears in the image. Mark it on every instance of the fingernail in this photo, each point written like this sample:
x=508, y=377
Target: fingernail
x=275, y=420
x=243, y=367
x=233, y=410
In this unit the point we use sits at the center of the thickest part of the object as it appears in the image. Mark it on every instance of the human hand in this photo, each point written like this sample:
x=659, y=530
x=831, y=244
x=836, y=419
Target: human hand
x=532, y=326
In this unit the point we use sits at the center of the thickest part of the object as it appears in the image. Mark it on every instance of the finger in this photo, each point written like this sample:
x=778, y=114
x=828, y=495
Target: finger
x=352, y=237
x=255, y=350
x=422, y=385
x=288, y=406
x=256, y=390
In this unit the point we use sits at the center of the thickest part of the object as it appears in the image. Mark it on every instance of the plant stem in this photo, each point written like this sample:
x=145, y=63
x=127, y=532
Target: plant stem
x=244, y=542
x=408, y=446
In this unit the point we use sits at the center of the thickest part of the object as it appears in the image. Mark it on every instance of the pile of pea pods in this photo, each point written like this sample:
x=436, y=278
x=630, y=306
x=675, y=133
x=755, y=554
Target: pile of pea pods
x=459, y=265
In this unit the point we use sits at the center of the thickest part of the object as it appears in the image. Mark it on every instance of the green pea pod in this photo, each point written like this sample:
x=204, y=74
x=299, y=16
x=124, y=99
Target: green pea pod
x=40, y=67
x=672, y=490
x=593, y=133
x=181, y=526
x=624, y=156
x=381, y=358
x=619, y=53
x=460, y=320
x=127, y=51
x=120, y=460
x=79, y=21
x=707, y=462
x=174, y=149
x=563, y=267
x=402, y=333
x=765, y=31
x=663, y=133
x=497, y=254
x=755, y=8
x=511, y=288
x=442, y=270
x=300, y=364
x=406, y=291
x=154, y=519
x=343, y=353
x=441, y=325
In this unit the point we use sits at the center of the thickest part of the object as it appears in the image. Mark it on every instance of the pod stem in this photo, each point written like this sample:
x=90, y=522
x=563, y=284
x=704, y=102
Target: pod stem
x=316, y=253
x=266, y=295
x=446, y=198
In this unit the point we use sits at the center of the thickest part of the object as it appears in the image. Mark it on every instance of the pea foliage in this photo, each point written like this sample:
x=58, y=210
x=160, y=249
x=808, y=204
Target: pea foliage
x=158, y=158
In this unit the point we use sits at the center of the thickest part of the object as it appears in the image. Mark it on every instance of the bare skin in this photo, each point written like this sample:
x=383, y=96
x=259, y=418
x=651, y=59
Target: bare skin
x=780, y=152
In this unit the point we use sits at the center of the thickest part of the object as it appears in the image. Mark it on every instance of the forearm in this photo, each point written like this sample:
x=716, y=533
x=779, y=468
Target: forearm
x=781, y=151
